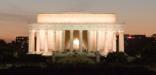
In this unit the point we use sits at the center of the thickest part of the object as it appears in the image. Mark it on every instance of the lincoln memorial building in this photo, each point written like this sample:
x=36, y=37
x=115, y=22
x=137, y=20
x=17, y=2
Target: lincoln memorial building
x=76, y=32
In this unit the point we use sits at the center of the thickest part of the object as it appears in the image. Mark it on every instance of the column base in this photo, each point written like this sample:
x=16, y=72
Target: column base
x=121, y=50
x=38, y=52
x=47, y=54
x=33, y=52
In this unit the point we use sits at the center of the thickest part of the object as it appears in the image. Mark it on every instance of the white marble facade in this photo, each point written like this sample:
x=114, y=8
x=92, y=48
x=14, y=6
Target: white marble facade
x=47, y=36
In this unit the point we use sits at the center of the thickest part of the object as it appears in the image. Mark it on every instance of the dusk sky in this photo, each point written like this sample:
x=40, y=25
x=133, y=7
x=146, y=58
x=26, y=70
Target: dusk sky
x=139, y=16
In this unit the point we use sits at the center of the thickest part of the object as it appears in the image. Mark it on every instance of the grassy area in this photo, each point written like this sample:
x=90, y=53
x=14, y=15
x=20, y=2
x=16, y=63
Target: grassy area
x=114, y=64
x=98, y=69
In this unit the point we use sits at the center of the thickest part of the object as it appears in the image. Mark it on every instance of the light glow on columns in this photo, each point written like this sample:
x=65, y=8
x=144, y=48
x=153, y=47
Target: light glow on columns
x=42, y=39
x=76, y=43
x=51, y=40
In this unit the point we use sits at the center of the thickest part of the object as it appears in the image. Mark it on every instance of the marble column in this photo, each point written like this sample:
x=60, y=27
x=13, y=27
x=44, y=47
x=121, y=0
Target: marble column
x=54, y=42
x=71, y=40
x=104, y=33
x=97, y=41
x=38, y=42
x=121, y=41
x=106, y=45
x=81, y=40
x=89, y=42
x=31, y=41
x=114, y=42
x=63, y=40
x=46, y=41
x=60, y=40
x=51, y=40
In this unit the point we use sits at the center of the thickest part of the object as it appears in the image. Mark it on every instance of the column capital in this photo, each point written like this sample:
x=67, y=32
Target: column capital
x=121, y=31
x=30, y=31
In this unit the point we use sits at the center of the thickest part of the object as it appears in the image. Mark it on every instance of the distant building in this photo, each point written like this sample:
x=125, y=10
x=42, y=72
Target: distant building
x=135, y=44
x=130, y=37
x=20, y=44
x=154, y=36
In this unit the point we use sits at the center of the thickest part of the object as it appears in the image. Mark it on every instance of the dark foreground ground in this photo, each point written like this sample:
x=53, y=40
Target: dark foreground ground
x=80, y=70
x=75, y=65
